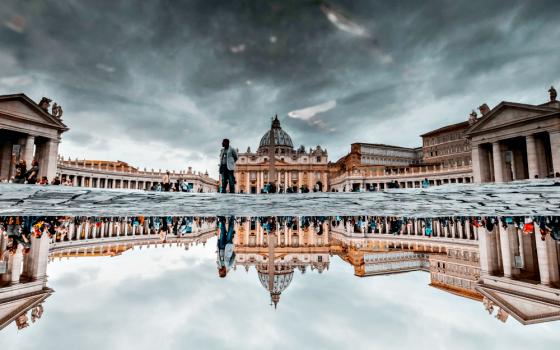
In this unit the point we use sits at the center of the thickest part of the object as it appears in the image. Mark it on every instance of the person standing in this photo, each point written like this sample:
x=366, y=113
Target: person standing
x=228, y=157
x=166, y=181
x=21, y=170
x=226, y=249
x=32, y=173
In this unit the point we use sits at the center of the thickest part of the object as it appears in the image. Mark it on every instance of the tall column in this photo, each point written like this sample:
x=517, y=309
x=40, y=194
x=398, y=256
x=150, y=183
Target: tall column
x=547, y=258
x=28, y=152
x=5, y=159
x=248, y=182
x=505, y=246
x=488, y=251
x=50, y=153
x=555, y=150
x=481, y=171
x=532, y=156
x=498, y=162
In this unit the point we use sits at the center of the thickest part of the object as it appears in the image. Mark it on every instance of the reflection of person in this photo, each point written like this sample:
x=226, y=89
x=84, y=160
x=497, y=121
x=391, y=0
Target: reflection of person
x=228, y=157
x=226, y=253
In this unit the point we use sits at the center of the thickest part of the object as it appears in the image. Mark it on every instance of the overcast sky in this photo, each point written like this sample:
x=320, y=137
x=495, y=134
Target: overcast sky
x=159, y=83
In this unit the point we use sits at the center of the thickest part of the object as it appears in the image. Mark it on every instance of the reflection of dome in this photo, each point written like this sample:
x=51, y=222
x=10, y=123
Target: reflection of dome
x=282, y=279
x=281, y=138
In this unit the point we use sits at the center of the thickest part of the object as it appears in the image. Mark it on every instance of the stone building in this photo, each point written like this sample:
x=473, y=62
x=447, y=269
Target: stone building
x=295, y=169
x=28, y=131
x=372, y=154
x=515, y=141
x=119, y=174
x=448, y=145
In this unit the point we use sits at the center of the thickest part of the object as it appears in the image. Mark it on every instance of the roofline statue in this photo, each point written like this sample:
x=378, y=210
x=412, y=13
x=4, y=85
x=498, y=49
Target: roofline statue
x=553, y=94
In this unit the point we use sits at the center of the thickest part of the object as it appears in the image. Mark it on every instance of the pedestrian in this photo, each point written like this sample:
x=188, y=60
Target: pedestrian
x=166, y=182
x=228, y=157
x=32, y=173
x=21, y=170
x=425, y=183
x=55, y=181
x=44, y=181
x=226, y=250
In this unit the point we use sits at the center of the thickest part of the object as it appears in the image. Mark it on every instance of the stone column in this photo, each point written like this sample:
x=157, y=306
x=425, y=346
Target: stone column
x=50, y=162
x=14, y=267
x=480, y=164
x=498, y=162
x=532, y=156
x=505, y=247
x=555, y=150
x=488, y=251
x=248, y=182
x=547, y=259
x=28, y=151
x=5, y=159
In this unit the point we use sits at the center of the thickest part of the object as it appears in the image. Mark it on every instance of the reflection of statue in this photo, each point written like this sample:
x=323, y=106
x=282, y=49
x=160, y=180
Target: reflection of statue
x=56, y=110
x=502, y=315
x=22, y=321
x=488, y=305
x=37, y=312
x=552, y=92
x=45, y=104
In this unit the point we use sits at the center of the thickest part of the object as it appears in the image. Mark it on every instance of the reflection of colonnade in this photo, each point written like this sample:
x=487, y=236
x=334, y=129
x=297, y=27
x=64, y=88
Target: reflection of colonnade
x=23, y=282
x=23, y=277
x=520, y=271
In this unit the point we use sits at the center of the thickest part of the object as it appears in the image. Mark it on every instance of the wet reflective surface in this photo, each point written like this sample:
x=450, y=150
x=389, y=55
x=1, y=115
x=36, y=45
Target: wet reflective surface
x=226, y=282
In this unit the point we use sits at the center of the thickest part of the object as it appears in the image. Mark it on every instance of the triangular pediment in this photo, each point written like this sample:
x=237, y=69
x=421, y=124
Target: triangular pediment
x=525, y=308
x=508, y=113
x=22, y=107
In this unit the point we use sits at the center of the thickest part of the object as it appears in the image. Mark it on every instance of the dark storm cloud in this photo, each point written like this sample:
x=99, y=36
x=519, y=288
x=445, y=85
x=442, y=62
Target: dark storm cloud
x=185, y=74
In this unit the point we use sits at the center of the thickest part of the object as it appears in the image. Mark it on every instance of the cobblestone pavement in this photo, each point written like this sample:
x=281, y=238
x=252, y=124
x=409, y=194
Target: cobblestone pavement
x=518, y=198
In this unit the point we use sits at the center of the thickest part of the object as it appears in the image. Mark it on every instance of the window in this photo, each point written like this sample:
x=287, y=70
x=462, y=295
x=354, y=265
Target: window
x=319, y=159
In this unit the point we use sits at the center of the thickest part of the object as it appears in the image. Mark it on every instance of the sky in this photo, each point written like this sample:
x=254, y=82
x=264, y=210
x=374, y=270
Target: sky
x=159, y=84
x=169, y=298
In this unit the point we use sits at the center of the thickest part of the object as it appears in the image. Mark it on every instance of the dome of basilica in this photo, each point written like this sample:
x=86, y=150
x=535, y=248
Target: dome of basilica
x=282, y=277
x=281, y=138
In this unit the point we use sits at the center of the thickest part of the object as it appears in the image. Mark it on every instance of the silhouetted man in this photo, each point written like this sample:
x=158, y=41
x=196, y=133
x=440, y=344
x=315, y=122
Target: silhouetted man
x=228, y=157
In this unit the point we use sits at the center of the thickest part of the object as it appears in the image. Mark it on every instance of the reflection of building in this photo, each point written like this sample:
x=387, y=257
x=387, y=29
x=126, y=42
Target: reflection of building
x=520, y=272
x=29, y=131
x=108, y=174
x=456, y=272
x=23, y=283
x=23, y=277
x=449, y=253
x=277, y=254
x=294, y=168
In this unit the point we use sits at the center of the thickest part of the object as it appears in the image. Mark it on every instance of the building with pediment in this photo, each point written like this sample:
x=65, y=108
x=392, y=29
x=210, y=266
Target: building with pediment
x=515, y=141
x=28, y=131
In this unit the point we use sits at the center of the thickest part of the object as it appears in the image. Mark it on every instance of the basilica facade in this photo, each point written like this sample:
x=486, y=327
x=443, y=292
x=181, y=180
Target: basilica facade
x=295, y=170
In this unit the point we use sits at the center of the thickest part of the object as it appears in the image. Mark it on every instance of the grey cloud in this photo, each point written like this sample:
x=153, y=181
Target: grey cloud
x=119, y=60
